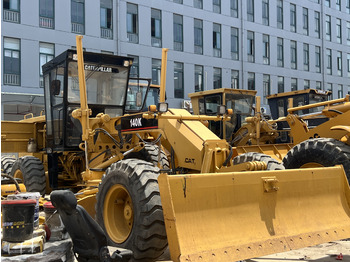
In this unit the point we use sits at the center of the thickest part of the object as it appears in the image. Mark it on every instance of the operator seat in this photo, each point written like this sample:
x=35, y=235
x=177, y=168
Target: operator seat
x=89, y=240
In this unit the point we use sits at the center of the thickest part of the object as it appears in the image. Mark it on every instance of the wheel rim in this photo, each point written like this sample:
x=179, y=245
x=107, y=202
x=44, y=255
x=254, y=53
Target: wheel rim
x=311, y=165
x=118, y=213
x=18, y=174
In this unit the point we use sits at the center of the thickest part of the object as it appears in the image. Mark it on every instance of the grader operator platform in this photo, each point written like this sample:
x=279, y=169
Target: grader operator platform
x=161, y=178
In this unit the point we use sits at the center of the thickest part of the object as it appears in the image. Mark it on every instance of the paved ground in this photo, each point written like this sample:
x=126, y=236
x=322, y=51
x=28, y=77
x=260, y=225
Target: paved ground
x=327, y=252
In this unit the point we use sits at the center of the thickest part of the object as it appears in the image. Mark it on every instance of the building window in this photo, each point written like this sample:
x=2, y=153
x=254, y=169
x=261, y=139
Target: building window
x=217, y=6
x=134, y=70
x=132, y=27
x=11, y=11
x=156, y=28
x=217, y=83
x=293, y=18
x=329, y=87
x=338, y=31
x=251, y=81
x=340, y=91
x=178, y=33
x=235, y=79
x=78, y=16
x=234, y=43
x=216, y=40
x=339, y=63
x=178, y=1
x=265, y=12
x=266, y=49
x=250, y=10
x=319, y=85
x=305, y=21
x=317, y=24
x=198, y=4
x=198, y=36
x=338, y=5
x=156, y=68
x=12, y=62
x=328, y=28
x=293, y=54
x=198, y=78
x=329, y=61
x=178, y=80
x=348, y=6
x=280, y=84
x=280, y=14
x=47, y=52
x=348, y=64
x=318, y=59
x=294, y=84
x=46, y=14
x=234, y=8
x=306, y=56
x=306, y=84
x=327, y=3
x=280, y=56
x=267, y=87
x=106, y=11
x=348, y=33
x=250, y=46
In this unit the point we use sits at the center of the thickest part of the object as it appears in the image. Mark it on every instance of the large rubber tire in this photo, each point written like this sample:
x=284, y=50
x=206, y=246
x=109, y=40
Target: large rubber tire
x=150, y=154
x=129, y=208
x=31, y=170
x=272, y=164
x=7, y=164
x=319, y=152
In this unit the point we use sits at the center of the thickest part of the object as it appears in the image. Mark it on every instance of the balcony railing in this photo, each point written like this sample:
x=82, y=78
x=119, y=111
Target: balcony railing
x=11, y=16
x=106, y=33
x=156, y=42
x=46, y=22
x=78, y=28
x=11, y=79
x=133, y=38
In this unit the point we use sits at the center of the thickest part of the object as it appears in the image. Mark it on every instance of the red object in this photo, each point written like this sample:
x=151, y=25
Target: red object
x=49, y=205
x=19, y=202
x=340, y=257
x=48, y=232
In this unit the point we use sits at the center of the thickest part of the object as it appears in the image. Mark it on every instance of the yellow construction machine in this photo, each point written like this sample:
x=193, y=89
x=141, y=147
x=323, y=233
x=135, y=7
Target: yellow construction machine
x=160, y=177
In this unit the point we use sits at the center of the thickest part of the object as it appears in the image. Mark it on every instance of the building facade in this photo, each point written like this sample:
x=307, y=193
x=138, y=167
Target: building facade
x=267, y=45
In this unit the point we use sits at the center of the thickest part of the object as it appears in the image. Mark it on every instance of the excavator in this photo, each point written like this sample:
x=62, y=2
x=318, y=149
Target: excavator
x=160, y=178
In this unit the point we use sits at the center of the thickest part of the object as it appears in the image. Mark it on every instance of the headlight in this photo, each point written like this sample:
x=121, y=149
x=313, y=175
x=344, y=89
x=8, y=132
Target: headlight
x=163, y=107
x=221, y=110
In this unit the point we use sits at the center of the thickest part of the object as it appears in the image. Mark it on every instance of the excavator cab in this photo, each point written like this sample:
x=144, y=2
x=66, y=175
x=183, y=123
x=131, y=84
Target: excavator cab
x=107, y=86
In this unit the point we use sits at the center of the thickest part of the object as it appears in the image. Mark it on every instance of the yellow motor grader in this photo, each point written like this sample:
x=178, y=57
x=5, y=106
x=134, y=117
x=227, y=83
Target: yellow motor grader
x=160, y=177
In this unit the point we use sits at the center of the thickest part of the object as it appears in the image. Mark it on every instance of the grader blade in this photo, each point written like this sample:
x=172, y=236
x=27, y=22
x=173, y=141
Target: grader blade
x=241, y=215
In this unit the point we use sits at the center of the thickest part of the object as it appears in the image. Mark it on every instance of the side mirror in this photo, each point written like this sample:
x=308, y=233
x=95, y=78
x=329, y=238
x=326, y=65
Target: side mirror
x=139, y=99
x=55, y=87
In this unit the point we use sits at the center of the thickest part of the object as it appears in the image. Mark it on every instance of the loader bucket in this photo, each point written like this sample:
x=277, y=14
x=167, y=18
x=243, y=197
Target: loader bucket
x=241, y=215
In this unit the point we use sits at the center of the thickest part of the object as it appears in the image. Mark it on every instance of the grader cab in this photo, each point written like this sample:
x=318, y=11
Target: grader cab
x=161, y=178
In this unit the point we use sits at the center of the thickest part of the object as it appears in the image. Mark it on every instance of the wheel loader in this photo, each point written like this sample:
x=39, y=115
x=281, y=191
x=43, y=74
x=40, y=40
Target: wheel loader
x=161, y=178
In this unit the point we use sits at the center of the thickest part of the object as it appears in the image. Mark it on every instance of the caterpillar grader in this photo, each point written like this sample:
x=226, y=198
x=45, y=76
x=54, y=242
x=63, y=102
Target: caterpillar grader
x=160, y=177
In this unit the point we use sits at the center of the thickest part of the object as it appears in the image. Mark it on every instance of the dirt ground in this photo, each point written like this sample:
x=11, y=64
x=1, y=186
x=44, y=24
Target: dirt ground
x=328, y=252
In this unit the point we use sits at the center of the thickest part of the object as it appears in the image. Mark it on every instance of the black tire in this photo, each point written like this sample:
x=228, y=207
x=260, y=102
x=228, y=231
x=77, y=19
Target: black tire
x=150, y=154
x=272, y=164
x=143, y=232
x=6, y=164
x=319, y=152
x=31, y=170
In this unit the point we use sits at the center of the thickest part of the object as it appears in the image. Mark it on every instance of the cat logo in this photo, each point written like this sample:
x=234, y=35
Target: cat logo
x=189, y=160
x=136, y=122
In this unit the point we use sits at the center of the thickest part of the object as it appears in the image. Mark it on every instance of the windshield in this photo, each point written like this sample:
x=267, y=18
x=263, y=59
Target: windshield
x=317, y=99
x=137, y=91
x=241, y=104
x=104, y=85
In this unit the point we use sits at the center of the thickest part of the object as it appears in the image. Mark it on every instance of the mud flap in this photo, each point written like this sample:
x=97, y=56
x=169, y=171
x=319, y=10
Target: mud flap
x=241, y=215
